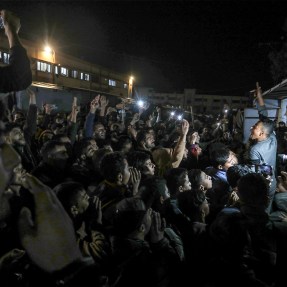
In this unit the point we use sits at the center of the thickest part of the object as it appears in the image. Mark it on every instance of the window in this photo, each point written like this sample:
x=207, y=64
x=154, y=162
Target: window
x=56, y=70
x=64, y=71
x=86, y=77
x=6, y=58
x=216, y=101
x=112, y=83
x=44, y=67
x=74, y=74
x=125, y=86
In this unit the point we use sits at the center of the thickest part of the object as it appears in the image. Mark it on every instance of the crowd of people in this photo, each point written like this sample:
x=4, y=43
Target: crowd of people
x=139, y=199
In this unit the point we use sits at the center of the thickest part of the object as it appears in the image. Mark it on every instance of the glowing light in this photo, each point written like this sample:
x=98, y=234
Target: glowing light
x=48, y=49
x=131, y=80
x=140, y=103
x=179, y=117
x=172, y=113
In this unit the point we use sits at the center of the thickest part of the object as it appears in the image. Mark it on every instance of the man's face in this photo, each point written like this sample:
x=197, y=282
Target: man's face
x=257, y=131
x=99, y=132
x=186, y=185
x=91, y=149
x=149, y=141
x=206, y=181
x=18, y=175
x=148, y=167
x=82, y=201
x=59, y=156
x=17, y=136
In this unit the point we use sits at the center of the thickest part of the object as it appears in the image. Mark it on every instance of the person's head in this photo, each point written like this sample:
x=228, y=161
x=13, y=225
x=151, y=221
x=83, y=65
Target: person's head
x=18, y=175
x=132, y=218
x=19, y=118
x=55, y=154
x=58, y=128
x=145, y=140
x=99, y=131
x=62, y=138
x=235, y=172
x=14, y=134
x=177, y=180
x=124, y=144
x=115, y=169
x=85, y=148
x=98, y=156
x=253, y=190
x=193, y=204
x=153, y=191
x=199, y=180
x=223, y=158
x=262, y=130
x=142, y=162
x=74, y=199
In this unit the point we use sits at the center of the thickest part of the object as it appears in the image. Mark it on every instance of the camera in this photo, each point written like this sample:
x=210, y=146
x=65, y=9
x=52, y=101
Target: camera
x=264, y=169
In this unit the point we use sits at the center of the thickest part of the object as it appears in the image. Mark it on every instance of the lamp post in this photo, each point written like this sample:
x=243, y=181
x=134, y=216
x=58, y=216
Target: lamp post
x=130, y=90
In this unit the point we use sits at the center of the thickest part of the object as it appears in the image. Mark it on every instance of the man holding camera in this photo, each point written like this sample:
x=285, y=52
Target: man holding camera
x=263, y=143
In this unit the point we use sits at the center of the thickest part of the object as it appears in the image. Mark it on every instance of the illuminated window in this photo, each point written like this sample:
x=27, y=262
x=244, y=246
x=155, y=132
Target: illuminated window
x=64, y=71
x=74, y=74
x=56, y=70
x=112, y=83
x=6, y=58
x=86, y=77
x=44, y=67
x=125, y=86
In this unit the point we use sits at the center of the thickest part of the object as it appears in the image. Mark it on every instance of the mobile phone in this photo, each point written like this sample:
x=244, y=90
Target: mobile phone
x=1, y=23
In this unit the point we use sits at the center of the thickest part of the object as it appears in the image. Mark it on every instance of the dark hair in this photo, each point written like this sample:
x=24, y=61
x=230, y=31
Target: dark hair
x=128, y=216
x=122, y=141
x=175, y=178
x=253, y=190
x=98, y=156
x=141, y=136
x=151, y=190
x=67, y=193
x=195, y=179
x=235, y=172
x=219, y=157
x=268, y=126
x=137, y=159
x=9, y=126
x=48, y=147
x=189, y=202
x=111, y=165
x=80, y=146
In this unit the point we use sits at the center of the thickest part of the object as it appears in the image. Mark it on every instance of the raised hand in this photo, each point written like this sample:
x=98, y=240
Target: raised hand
x=135, y=179
x=184, y=127
x=157, y=227
x=49, y=239
x=103, y=101
x=95, y=104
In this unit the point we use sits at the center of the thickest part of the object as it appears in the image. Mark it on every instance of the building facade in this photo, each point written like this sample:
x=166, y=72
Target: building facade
x=59, y=77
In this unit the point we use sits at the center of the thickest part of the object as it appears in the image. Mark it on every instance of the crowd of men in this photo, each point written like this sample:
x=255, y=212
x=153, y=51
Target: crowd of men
x=140, y=200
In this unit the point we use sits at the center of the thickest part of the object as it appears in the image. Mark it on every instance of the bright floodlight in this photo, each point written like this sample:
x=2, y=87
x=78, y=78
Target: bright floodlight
x=179, y=117
x=48, y=49
x=172, y=113
x=140, y=103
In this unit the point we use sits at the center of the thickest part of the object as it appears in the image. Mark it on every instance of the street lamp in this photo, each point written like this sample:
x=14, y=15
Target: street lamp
x=50, y=53
x=130, y=90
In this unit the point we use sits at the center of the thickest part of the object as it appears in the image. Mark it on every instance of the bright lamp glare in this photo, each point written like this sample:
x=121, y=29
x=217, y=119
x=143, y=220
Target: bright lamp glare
x=48, y=49
x=140, y=103
x=179, y=117
x=172, y=113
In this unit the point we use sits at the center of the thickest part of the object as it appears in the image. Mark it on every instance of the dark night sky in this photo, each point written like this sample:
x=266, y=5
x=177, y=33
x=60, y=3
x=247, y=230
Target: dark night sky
x=215, y=46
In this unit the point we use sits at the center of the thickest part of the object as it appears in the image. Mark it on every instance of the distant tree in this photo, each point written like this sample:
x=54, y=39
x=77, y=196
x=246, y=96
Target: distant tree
x=278, y=59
